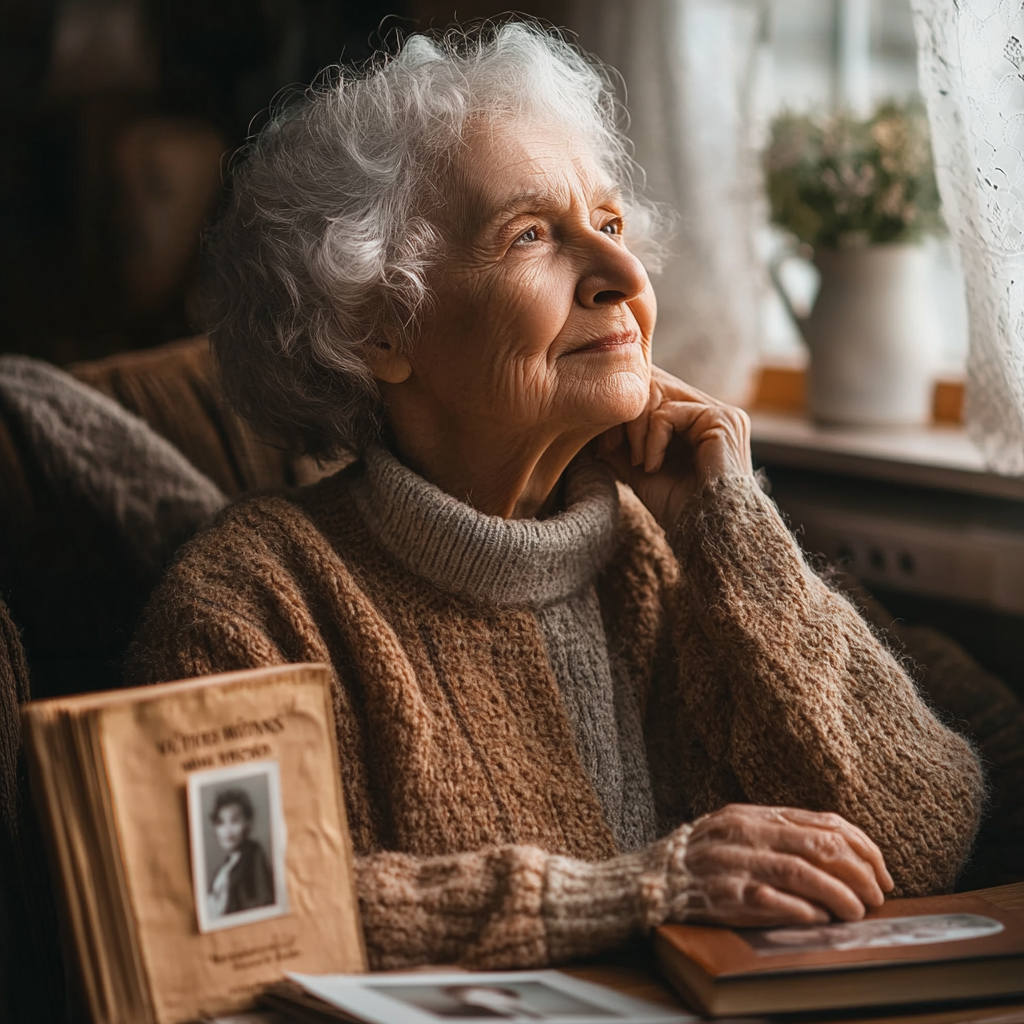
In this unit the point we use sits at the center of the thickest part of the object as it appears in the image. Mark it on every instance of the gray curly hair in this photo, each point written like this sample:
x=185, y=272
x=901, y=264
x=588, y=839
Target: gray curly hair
x=336, y=217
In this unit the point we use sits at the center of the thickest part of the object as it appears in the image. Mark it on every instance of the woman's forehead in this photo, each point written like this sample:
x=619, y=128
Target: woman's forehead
x=508, y=168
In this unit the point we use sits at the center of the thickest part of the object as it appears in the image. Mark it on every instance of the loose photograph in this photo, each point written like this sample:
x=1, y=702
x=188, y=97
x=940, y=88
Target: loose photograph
x=871, y=934
x=236, y=823
x=483, y=998
x=508, y=1001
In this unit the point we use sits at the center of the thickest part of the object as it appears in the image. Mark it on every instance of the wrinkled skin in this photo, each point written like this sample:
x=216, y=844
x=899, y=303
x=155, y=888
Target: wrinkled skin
x=759, y=866
x=540, y=343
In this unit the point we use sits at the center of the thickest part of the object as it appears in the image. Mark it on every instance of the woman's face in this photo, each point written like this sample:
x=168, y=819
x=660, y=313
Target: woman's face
x=231, y=827
x=543, y=317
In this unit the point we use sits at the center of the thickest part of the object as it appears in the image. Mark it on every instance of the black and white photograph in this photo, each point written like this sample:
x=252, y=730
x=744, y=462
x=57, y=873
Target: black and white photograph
x=509, y=1001
x=483, y=998
x=236, y=823
x=874, y=934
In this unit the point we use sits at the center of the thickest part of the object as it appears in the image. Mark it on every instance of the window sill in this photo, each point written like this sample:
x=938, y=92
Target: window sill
x=941, y=456
x=784, y=389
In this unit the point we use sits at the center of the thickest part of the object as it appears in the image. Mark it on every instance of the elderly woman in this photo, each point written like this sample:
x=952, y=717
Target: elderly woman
x=584, y=680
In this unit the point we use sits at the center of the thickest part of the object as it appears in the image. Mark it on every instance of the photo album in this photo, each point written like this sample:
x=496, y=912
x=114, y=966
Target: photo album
x=926, y=950
x=198, y=831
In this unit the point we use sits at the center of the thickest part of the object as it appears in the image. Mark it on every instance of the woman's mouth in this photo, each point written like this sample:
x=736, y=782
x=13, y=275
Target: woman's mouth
x=608, y=342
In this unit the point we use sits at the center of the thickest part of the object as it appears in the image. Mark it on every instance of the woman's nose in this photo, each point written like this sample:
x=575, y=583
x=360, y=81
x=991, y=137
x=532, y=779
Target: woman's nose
x=613, y=275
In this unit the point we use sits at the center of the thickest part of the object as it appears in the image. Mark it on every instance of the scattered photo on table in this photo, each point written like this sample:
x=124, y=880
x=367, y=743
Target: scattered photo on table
x=253, y=1017
x=873, y=934
x=236, y=824
x=427, y=998
x=513, y=1000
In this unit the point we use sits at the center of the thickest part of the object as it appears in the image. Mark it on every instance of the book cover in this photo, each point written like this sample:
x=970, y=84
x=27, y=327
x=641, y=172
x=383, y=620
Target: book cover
x=204, y=847
x=909, y=950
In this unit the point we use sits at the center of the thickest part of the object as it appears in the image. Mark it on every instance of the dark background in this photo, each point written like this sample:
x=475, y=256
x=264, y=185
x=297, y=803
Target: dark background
x=118, y=116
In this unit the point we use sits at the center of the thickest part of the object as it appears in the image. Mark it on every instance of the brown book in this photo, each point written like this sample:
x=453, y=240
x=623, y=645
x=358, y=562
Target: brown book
x=935, y=949
x=198, y=831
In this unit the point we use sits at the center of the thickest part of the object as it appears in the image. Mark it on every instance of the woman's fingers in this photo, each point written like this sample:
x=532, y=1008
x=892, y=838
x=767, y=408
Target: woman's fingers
x=674, y=388
x=784, y=872
x=858, y=840
x=833, y=844
x=799, y=877
x=661, y=429
x=692, y=421
x=781, y=906
x=636, y=430
x=743, y=902
x=830, y=852
x=815, y=859
x=682, y=440
x=718, y=435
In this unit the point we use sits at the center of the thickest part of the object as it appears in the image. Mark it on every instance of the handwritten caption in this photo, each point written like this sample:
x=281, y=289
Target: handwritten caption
x=277, y=950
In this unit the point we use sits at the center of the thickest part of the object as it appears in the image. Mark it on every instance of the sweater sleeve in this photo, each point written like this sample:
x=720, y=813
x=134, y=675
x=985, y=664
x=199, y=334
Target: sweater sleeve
x=786, y=697
x=514, y=906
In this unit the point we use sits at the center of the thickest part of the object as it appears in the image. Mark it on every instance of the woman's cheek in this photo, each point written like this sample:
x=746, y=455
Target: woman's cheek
x=645, y=311
x=543, y=299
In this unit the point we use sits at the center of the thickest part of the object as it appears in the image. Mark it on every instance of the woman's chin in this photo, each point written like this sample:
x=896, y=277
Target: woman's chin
x=620, y=399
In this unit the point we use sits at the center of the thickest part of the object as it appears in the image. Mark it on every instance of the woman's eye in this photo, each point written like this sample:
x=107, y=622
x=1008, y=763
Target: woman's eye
x=527, y=236
x=613, y=227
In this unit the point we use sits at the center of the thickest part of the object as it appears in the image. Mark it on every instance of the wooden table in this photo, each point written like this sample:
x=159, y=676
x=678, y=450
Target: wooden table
x=643, y=982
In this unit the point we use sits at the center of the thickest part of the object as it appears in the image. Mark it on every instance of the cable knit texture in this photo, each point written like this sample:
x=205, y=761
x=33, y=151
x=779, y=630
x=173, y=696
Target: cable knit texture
x=477, y=814
x=550, y=566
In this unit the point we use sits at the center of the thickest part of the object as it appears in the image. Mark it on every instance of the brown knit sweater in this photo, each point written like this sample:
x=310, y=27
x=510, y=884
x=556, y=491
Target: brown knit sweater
x=481, y=825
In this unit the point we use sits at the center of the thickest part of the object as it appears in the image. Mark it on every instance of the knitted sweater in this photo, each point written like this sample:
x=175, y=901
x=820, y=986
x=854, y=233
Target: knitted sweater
x=551, y=567
x=488, y=813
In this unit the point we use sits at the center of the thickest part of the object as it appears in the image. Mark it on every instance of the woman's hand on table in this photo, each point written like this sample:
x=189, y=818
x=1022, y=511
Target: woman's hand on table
x=753, y=866
x=683, y=440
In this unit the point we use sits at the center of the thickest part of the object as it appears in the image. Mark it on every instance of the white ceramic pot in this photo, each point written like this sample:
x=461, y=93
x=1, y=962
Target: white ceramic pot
x=872, y=336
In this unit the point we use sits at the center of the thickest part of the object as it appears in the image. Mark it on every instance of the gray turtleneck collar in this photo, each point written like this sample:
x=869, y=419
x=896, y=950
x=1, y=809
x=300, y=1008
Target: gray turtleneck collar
x=499, y=561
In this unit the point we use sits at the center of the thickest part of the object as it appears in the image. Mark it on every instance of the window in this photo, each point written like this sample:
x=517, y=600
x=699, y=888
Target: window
x=820, y=55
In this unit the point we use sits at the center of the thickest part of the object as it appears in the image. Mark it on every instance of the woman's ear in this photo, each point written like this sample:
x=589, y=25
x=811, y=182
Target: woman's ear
x=389, y=365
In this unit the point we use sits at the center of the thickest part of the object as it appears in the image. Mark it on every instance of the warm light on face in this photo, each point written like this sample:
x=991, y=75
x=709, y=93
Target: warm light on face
x=543, y=317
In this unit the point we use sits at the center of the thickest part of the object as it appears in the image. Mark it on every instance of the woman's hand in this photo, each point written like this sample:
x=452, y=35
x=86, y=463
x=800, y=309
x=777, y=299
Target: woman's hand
x=764, y=866
x=683, y=440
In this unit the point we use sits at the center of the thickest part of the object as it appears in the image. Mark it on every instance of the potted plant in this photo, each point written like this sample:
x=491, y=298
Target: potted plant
x=861, y=194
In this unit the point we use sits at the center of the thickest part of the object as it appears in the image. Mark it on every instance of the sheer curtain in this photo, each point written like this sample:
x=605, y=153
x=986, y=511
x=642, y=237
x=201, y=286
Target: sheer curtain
x=971, y=67
x=687, y=67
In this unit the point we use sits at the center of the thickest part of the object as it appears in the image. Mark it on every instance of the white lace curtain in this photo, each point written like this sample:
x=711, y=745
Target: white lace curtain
x=971, y=66
x=687, y=67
